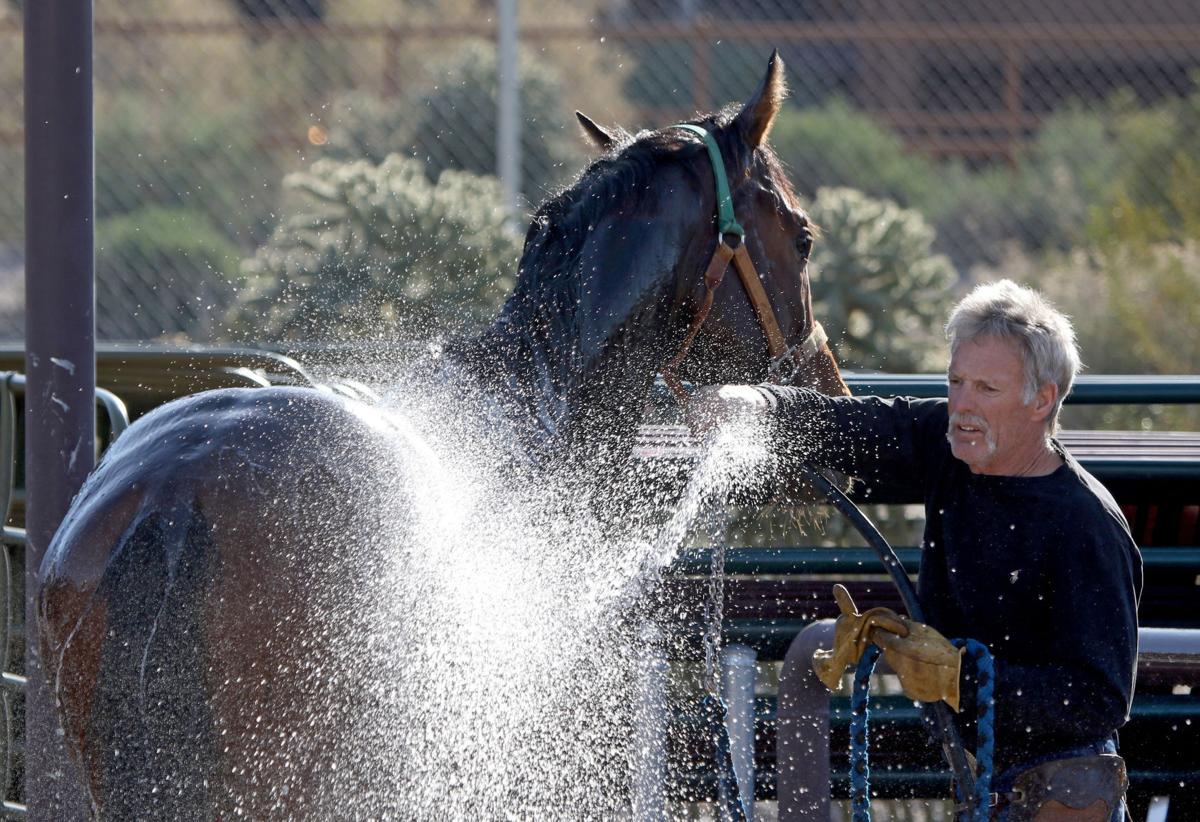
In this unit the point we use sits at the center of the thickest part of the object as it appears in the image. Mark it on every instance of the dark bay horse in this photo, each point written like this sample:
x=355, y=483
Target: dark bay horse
x=209, y=606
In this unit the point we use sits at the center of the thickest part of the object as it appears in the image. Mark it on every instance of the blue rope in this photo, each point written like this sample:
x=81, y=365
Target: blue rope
x=727, y=784
x=985, y=723
x=860, y=764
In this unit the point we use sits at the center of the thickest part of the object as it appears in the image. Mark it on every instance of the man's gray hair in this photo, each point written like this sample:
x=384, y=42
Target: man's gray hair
x=1045, y=335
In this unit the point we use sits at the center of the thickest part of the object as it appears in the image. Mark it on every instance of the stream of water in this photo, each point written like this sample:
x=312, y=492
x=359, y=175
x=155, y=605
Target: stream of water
x=506, y=645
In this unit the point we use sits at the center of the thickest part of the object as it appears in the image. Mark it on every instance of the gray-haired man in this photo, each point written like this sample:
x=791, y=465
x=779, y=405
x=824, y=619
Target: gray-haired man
x=1023, y=549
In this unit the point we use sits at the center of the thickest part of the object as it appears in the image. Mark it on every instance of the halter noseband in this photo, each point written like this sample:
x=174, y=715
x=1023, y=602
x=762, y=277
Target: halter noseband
x=785, y=361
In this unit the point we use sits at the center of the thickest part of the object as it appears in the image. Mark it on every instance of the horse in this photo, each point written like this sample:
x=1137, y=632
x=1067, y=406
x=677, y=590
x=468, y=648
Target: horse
x=185, y=603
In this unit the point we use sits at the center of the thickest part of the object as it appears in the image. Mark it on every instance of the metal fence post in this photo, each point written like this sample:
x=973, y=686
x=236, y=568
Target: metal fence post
x=802, y=737
x=59, y=342
x=508, y=103
x=739, y=680
x=649, y=759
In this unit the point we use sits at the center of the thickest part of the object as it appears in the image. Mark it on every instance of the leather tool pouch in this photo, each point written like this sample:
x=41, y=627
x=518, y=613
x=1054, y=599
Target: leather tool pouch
x=1079, y=789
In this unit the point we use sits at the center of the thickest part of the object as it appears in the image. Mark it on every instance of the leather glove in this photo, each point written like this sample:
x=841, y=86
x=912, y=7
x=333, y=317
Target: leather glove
x=927, y=665
x=851, y=634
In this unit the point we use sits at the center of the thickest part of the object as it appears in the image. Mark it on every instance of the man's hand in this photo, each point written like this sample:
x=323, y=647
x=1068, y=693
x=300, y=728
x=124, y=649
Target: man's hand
x=714, y=406
x=926, y=663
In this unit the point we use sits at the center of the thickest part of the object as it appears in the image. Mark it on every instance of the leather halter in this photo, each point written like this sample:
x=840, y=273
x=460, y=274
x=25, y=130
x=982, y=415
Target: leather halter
x=785, y=361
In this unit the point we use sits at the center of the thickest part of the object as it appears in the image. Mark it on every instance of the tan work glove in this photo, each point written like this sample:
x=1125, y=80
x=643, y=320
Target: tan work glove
x=851, y=634
x=926, y=663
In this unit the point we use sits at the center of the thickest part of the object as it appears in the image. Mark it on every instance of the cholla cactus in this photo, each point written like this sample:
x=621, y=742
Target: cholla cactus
x=877, y=286
x=378, y=250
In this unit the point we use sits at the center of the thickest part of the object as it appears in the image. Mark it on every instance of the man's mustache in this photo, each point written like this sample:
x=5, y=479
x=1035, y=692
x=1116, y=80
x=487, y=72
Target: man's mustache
x=973, y=421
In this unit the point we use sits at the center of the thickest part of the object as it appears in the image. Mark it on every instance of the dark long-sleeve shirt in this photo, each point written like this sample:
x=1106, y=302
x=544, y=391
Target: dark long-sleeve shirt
x=1043, y=570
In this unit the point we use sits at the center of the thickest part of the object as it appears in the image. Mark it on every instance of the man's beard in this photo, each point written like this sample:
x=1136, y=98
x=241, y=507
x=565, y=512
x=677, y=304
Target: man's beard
x=975, y=422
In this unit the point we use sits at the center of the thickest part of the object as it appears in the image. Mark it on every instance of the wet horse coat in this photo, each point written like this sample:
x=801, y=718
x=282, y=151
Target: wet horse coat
x=207, y=606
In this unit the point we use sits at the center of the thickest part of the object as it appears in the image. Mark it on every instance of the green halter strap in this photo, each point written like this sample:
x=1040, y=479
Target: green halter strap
x=785, y=360
x=725, y=219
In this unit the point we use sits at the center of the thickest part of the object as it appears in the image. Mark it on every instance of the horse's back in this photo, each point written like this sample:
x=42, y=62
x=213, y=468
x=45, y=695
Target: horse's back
x=224, y=540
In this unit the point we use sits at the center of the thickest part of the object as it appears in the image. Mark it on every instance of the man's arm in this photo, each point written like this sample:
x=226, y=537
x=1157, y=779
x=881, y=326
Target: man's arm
x=894, y=441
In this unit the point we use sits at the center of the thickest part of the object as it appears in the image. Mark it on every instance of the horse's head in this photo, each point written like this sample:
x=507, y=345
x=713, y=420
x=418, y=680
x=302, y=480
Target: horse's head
x=751, y=323
x=618, y=278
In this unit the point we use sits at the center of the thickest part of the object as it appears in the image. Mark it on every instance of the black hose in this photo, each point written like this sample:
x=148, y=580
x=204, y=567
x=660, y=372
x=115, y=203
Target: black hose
x=953, y=748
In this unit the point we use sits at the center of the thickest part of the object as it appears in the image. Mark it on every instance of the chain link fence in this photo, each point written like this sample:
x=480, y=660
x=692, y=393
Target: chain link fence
x=1053, y=142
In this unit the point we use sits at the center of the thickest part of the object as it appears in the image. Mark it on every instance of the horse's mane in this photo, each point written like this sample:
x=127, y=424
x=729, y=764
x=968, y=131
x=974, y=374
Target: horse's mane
x=546, y=281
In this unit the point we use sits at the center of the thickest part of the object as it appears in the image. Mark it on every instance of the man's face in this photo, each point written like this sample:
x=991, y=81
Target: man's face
x=992, y=429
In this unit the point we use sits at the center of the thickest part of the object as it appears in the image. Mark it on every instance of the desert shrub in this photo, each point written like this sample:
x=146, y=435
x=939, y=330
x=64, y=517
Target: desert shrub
x=878, y=287
x=364, y=126
x=1136, y=310
x=1044, y=200
x=175, y=155
x=367, y=250
x=1155, y=189
x=974, y=212
x=12, y=198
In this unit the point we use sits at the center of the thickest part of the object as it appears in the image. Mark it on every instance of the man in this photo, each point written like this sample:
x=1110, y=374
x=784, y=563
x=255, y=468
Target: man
x=1023, y=549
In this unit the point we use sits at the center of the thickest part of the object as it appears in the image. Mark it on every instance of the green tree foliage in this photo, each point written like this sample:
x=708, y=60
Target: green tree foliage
x=878, y=287
x=369, y=250
x=451, y=122
x=161, y=270
x=834, y=144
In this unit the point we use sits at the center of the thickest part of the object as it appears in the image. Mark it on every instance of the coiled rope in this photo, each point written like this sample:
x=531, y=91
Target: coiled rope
x=860, y=764
x=985, y=725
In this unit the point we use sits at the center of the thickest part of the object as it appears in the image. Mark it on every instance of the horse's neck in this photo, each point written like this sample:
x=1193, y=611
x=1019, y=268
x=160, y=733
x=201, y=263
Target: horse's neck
x=559, y=401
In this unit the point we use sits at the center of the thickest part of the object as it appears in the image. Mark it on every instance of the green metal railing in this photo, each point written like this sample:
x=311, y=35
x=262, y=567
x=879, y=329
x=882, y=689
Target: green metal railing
x=1097, y=389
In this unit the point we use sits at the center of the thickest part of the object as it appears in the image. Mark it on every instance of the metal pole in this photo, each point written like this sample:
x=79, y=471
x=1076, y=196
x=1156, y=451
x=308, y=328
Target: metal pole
x=649, y=755
x=508, y=109
x=60, y=361
x=739, y=681
x=802, y=729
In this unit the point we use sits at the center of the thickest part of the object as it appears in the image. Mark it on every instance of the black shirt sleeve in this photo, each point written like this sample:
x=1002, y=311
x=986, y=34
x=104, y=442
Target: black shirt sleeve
x=877, y=440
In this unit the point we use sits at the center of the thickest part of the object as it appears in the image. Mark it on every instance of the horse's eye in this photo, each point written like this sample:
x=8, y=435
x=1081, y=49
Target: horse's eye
x=804, y=243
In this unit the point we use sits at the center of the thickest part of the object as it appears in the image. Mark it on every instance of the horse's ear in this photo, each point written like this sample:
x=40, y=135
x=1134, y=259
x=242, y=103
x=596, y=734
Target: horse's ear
x=598, y=137
x=755, y=119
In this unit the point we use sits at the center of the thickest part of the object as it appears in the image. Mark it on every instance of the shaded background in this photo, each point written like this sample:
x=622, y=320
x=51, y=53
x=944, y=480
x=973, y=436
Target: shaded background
x=960, y=140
